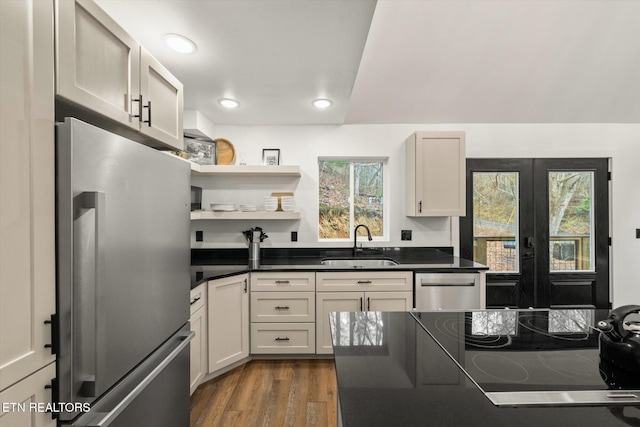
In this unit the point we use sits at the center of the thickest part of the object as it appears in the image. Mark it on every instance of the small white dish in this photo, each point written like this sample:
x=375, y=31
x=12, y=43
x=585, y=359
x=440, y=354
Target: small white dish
x=222, y=206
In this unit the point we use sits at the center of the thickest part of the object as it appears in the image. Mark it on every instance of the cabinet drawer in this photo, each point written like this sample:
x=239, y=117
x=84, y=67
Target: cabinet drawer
x=283, y=307
x=197, y=298
x=278, y=338
x=274, y=282
x=365, y=281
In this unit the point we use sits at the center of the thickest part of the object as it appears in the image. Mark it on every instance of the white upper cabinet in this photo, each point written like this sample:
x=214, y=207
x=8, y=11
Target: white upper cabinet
x=27, y=193
x=102, y=70
x=435, y=174
x=162, y=101
x=97, y=62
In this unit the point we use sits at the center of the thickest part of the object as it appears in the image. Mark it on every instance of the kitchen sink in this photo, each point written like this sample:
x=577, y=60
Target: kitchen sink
x=358, y=262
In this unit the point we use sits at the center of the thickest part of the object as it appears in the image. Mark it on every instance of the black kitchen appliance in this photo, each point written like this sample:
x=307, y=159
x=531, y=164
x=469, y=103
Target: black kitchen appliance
x=620, y=348
x=540, y=357
x=196, y=198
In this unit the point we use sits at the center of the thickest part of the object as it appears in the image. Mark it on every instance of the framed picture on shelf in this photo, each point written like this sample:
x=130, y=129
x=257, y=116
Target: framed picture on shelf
x=271, y=156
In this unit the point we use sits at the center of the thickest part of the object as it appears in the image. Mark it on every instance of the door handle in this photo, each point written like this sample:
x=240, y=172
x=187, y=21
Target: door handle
x=139, y=115
x=93, y=385
x=148, y=107
x=528, y=242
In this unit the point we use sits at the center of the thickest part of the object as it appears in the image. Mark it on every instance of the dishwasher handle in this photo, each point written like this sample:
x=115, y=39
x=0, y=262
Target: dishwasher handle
x=452, y=283
x=447, y=279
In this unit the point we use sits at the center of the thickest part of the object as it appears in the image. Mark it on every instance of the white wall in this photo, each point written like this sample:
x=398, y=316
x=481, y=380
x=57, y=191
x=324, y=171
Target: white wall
x=303, y=145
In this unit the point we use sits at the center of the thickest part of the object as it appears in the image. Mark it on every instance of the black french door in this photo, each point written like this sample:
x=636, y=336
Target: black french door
x=542, y=226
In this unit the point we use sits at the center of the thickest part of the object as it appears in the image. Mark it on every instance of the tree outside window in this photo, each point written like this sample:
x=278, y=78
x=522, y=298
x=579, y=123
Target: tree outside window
x=350, y=193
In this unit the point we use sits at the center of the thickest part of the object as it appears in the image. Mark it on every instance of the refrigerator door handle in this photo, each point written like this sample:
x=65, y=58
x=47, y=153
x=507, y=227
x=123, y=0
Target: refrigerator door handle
x=105, y=419
x=91, y=387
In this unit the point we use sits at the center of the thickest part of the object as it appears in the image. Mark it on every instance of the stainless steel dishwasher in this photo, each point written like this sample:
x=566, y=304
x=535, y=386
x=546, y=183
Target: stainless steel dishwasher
x=435, y=291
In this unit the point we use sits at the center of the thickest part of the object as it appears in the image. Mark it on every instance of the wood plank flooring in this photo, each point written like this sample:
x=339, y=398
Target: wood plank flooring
x=268, y=393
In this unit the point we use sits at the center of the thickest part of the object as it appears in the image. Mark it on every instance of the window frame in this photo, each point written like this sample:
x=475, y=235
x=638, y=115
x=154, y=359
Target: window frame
x=385, y=196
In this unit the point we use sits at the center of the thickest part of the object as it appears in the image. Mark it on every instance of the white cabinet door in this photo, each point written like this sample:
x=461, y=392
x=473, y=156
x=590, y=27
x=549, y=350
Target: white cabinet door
x=228, y=312
x=97, y=62
x=30, y=391
x=162, y=99
x=27, y=203
x=364, y=281
x=198, y=322
x=283, y=338
x=388, y=301
x=435, y=174
x=281, y=282
x=327, y=302
x=283, y=307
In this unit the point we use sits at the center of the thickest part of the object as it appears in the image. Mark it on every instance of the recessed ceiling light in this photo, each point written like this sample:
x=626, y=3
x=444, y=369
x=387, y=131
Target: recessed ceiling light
x=179, y=43
x=322, y=103
x=228, y=103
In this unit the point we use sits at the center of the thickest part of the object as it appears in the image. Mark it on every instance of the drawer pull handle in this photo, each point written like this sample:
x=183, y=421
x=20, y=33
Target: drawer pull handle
x=364, y=282
x=282, y=339
x=286, y=307
x=282, y=282
x=195, y=300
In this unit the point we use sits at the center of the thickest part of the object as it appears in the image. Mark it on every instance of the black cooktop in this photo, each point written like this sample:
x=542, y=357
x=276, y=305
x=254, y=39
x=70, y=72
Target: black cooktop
x=530, y=357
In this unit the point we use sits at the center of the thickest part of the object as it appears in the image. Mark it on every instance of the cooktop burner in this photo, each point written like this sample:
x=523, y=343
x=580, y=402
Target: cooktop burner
x=530, y=357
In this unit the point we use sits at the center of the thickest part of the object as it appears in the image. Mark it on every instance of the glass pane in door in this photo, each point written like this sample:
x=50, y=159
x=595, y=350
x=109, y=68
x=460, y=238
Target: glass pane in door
x=570, y=221
x=495, y=220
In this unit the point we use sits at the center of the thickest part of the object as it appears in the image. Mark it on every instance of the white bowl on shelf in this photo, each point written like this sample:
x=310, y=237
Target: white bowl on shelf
x=222, y=206
x=247, y=208
x=270, y=204
x=288, y=203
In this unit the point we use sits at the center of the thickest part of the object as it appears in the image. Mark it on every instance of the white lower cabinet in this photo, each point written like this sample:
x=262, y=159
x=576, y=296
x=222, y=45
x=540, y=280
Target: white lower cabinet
x=228, y=321
x=283, y=338
x=198, y=324
x=283, y=313
x=283, y=307
x=27, y=200
x=24, y=403
x=358, y=291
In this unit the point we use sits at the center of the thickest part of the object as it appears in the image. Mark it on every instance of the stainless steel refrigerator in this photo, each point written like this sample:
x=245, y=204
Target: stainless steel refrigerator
x=123, y=281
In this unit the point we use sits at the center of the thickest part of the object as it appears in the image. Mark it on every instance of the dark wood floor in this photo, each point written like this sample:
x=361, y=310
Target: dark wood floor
x=268, y=393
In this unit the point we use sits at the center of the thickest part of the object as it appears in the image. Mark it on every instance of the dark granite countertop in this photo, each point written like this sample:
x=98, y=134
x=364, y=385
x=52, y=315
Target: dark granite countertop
x=217, y=263
x=391, y=372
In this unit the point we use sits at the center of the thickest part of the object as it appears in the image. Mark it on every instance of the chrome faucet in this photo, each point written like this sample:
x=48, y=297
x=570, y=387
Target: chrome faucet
x=355, y=237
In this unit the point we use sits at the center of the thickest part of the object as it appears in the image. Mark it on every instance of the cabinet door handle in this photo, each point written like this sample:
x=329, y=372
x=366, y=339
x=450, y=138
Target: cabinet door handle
x=364, y=282
x=245, y=286
x=286, y=307
x=361, y=303
x=282, y=282
x=195, y=300
x=139, y=101
x=148, y=106
x=53, y=321
x=420, y=206
x=55, y=393
x=282, y=339
x=368, y=304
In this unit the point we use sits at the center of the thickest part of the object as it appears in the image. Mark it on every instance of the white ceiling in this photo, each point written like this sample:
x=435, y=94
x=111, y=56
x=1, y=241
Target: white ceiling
x=399, y=61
